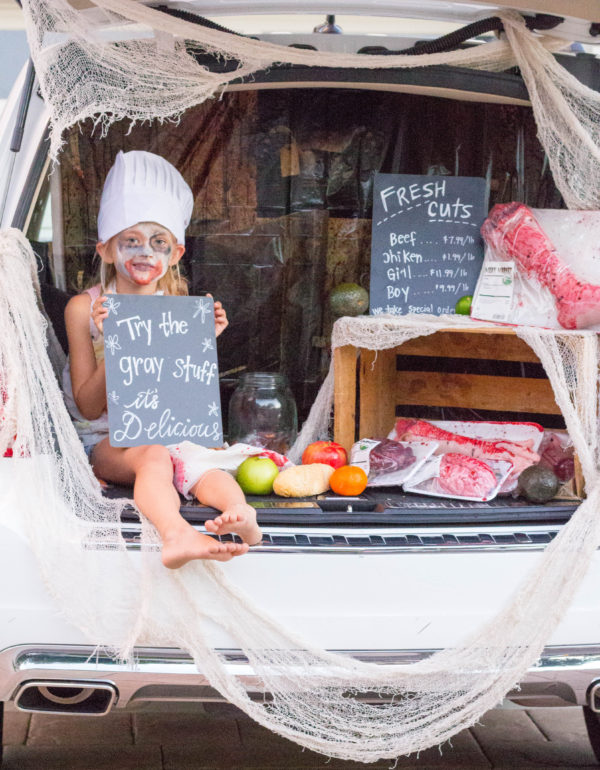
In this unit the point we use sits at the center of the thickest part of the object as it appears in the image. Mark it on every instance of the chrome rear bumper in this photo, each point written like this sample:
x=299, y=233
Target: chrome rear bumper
x=563, y=676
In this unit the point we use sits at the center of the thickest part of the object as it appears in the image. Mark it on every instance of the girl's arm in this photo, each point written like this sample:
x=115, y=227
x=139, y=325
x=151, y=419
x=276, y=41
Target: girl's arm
x=88, y=378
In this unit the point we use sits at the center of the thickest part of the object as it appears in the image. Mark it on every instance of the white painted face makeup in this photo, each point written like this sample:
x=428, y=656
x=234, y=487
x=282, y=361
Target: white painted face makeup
x=143, y=252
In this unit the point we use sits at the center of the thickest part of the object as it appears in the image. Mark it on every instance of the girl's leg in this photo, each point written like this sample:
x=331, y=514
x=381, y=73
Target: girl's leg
x=150, y=470
x=220, y=490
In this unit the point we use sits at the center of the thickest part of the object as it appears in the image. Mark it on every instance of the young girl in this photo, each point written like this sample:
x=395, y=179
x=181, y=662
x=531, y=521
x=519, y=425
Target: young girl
x=144, y=210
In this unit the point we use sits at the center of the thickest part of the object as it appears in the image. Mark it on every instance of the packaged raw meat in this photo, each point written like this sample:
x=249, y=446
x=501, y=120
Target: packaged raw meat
x=557, y=453
x=465, y=476
x=389, y=456
x=483, y=441
x=541, y=268
x=459, y=477
x=388, y=462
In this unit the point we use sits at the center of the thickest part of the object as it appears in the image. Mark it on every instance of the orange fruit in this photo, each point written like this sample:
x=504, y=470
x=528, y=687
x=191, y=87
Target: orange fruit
x=348, y=480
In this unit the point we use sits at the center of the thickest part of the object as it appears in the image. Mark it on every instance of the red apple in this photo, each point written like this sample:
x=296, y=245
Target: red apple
x=327, y=452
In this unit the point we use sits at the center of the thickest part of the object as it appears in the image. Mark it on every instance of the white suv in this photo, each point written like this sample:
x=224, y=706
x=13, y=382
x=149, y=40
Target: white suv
x=282, y=169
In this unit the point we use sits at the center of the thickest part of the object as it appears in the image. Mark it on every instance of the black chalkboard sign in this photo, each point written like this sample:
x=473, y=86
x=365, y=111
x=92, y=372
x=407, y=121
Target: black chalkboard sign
x=162, y=373
x=426, y=248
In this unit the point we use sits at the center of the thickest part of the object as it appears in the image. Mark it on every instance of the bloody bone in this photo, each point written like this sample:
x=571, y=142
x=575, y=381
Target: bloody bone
x=519, y=453
x=465, y=476
x=513, y=232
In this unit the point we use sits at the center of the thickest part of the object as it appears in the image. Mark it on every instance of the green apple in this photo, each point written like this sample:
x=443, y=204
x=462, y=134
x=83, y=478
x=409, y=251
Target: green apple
x=256, y=475
x=463, y=306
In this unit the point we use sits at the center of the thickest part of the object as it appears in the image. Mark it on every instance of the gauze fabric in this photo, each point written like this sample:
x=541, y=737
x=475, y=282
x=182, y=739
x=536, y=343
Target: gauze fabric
x=143, y=187
x=125, y=598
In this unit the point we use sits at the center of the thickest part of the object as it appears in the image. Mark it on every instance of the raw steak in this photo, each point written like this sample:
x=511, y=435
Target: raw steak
x=466, y=476
x=519, y=453
x=388, y=457
x=512, y=231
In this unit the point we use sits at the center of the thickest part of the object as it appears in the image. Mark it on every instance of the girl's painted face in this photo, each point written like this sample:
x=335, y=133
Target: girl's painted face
x=143, y=252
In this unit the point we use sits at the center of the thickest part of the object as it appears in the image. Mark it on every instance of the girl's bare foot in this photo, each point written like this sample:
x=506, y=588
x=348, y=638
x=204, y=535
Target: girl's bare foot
x=239, y=519
x=184, y=544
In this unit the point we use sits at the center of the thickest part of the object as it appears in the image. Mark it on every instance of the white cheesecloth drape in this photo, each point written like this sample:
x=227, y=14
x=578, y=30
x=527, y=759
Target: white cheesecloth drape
x=122, y=599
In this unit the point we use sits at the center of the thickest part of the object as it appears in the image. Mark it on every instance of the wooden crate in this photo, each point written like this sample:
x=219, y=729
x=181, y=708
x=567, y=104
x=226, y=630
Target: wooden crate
x=376, y=384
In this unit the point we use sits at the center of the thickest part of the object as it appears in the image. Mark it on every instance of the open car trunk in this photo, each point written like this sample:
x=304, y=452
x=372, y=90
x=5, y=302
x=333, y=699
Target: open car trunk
x=282, y=179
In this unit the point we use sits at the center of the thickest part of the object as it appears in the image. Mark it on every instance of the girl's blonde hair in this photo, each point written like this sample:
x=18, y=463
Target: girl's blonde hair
x=172, y=282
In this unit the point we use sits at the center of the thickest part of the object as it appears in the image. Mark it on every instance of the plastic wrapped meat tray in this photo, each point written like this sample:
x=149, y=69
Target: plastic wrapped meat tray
x=541, y=268
x=396, y=463
x=459, y=477
x=474, y=460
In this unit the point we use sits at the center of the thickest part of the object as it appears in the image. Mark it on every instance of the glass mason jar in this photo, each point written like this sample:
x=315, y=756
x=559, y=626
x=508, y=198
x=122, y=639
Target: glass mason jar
x=262, y=412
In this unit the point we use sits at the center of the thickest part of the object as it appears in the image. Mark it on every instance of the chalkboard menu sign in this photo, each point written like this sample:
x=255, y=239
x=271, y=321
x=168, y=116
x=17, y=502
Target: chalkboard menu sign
x=426, y=248
x=162, y=373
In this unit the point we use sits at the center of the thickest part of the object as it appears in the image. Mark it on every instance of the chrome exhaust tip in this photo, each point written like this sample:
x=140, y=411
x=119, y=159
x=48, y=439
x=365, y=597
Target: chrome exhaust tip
x=85, y=698
x=593, y=696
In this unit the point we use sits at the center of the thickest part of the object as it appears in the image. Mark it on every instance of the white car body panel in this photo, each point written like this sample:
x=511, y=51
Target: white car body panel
x=462, y=12
x=377, y=601
x=418, y=599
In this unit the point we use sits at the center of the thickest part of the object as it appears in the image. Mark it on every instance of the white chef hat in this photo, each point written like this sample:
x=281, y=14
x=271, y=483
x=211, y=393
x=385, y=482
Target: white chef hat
x=143, y=187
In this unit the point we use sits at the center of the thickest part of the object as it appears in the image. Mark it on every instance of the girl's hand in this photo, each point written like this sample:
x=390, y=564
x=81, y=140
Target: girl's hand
x=221, y=322
x=99, y=312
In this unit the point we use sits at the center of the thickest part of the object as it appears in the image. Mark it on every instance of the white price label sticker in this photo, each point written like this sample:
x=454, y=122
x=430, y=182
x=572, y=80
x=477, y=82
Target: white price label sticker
x=494, y=294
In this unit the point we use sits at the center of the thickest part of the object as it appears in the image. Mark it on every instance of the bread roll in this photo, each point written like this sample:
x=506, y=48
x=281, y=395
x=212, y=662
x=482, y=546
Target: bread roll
x=303, y=480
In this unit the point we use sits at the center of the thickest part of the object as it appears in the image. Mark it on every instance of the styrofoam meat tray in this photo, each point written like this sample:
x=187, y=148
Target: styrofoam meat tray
x=421, y=449
x=425, y=482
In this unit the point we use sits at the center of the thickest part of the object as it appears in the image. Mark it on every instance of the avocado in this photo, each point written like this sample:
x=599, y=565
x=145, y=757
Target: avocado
x=538, y=484
x=348, y=299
